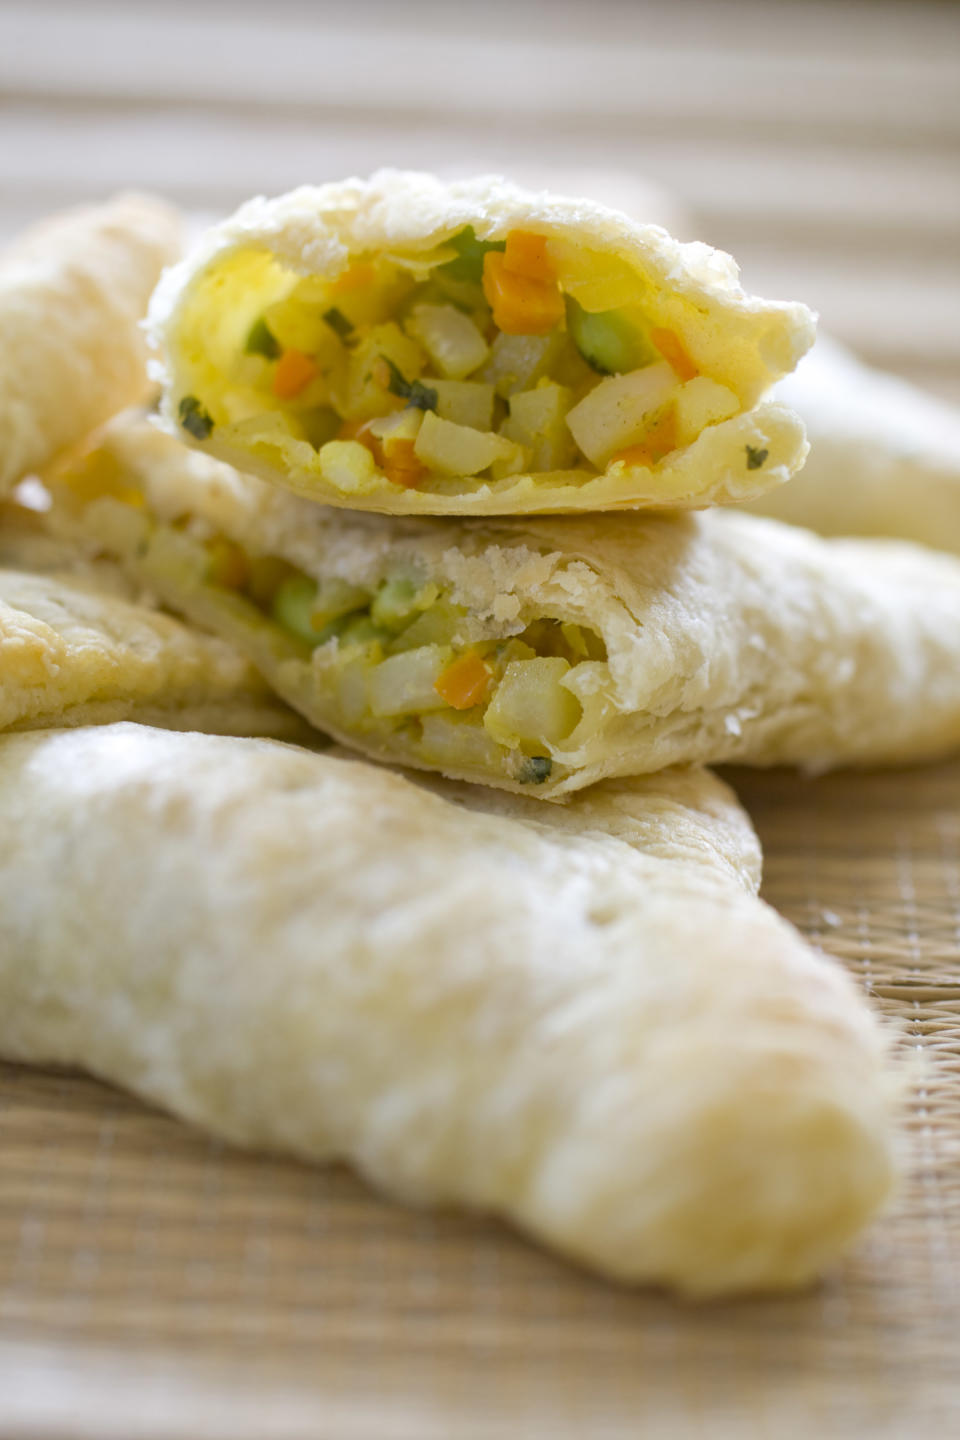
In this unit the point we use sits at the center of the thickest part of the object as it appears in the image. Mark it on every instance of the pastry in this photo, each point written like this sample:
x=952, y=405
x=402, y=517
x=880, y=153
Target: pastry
x=884, y=458
x=73, y=291
x=78, y=646
x=413, y=347
x=579, y=1018
x=542, y=654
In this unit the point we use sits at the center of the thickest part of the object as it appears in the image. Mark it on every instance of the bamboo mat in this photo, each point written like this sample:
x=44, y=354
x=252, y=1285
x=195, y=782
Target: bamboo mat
x=155, y=1285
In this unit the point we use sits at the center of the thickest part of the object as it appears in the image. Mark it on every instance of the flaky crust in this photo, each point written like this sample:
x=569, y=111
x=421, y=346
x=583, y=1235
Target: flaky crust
x=729, y=638
x=75, y=651
x=884, y=459
x=72, y=293
x=604, y=1037
x=744, y=342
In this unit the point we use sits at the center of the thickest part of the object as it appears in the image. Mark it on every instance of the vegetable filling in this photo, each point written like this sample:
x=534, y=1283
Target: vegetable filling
x=469, y=364
x=402, y=656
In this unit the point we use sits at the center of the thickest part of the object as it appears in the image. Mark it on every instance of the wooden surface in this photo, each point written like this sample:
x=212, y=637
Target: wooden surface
x=156, y=1287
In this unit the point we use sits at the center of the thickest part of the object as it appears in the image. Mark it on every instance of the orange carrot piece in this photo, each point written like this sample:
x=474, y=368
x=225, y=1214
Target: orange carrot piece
x=401, y=464
x=293, y=373
x=672, y=349
x=464, y=683
x=520, y=306
x=526, y=254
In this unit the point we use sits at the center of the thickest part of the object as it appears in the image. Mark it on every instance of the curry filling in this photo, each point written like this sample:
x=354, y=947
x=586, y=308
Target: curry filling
x=402, y=657
x=469, y=364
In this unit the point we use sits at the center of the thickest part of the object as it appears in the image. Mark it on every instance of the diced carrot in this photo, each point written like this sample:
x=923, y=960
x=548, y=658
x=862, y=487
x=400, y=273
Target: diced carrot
x=360, y=273
x=660, y=439
x=520, y=306
x=526, y=254
x=401, y=464
x=293, y=373
x=672, y=349
x=227, y=564
x=464, y=683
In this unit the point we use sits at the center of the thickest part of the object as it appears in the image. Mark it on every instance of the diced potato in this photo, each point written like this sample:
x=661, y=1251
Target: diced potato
x=537, y=420
x=449, y=337
x=398, y=425
x=302, y=327
x=353, y=682
x=620, y=410
x=597, y=282
x=441, y=624
x=531, y=706
x=515, y=464
x=517, y=362
x=348, y=465
x=404, y=684
x=459, y=449
x=361, y=396
x=465, y=402
x=336, y=597
x=458, y=742
x=702, y=402
x=365, y=293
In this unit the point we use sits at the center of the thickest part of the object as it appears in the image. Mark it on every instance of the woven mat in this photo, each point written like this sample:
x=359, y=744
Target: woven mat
x=155, y=1285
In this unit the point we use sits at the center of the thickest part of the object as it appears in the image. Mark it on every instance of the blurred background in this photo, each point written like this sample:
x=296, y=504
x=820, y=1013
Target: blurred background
x=817, y=140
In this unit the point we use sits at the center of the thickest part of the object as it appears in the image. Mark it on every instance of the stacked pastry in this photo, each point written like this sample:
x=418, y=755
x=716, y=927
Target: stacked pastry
x=436, y=422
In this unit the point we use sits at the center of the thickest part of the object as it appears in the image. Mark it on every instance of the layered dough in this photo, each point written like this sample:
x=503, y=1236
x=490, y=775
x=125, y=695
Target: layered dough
x=579, y=1018
x=412, y=347
x=73, y=291
x=542, y=655
x=76, y=648
x=884, y=458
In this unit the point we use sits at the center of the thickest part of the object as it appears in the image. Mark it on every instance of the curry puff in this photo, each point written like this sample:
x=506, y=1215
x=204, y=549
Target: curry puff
x=416, y=348
x=541, y=654
x=884, y=456
x=628, y=1055
x=73, y=291
x=76, y=648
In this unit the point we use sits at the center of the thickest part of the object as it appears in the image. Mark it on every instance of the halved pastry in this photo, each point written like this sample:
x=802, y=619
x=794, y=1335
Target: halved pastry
x=414, y=347
x=579, y=1018
x=73, y=291
x=542, y=654
x=78, y=648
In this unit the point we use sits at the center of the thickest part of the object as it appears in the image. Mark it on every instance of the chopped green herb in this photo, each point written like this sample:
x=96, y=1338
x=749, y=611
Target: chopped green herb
x=415, y=393
x=755, y=458
x=535, y=769
x=470, y=252
x=262, y=341
x=338, y=321
x=194, y=418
